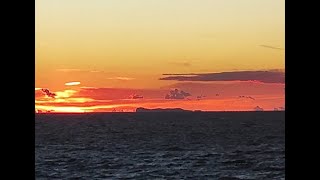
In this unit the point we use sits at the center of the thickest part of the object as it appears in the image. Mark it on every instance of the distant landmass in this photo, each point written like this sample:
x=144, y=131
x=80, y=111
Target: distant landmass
x=141, y=109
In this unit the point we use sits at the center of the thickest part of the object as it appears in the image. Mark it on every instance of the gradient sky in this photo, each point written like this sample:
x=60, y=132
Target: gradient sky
x=121, y=49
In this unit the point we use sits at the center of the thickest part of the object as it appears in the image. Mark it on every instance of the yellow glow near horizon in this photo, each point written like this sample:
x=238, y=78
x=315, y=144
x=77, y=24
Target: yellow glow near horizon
x=62, y=109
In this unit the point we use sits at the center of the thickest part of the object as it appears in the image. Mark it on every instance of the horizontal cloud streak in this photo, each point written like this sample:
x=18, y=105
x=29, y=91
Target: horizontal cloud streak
x=121, y=78
x=261, y=76
x=70, y=70
x=136, y=96
x=78, y=70
x=271, y=47
x=72, y=83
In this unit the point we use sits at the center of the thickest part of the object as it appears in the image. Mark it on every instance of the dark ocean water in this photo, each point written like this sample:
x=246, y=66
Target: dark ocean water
x=223, y=146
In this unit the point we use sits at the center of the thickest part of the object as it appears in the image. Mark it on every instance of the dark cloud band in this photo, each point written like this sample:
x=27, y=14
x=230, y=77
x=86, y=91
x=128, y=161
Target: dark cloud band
x=261, y=76
x=48, y=93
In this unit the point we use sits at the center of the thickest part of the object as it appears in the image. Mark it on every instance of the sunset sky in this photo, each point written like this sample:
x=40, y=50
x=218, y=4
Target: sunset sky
x=117, y=55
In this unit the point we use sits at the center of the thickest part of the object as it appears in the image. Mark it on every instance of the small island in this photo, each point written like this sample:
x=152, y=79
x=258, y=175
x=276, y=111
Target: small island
x=141, y=109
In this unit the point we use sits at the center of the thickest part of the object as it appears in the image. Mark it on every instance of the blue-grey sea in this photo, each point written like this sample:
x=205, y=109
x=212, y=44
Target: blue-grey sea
x=165, y=145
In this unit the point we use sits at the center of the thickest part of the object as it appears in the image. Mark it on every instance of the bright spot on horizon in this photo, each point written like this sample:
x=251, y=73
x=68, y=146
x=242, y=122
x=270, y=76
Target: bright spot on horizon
x=72, y=83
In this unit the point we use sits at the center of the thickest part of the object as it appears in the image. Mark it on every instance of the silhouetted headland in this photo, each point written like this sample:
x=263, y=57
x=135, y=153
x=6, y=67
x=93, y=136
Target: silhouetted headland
x=141, y=109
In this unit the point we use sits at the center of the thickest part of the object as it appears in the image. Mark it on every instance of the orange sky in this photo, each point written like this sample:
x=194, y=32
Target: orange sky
x=122, y=48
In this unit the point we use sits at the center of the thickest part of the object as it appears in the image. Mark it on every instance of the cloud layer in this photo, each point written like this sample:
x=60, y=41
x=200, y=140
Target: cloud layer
x=261, y=76
x=106, y=99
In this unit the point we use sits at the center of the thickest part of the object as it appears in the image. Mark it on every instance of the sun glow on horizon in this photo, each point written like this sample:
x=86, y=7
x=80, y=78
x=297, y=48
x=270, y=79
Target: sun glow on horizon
x=65, y=94
x=56, y=109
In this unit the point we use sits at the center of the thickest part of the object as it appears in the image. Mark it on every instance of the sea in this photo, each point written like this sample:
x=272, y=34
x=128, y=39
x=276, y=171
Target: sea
x=160, y=145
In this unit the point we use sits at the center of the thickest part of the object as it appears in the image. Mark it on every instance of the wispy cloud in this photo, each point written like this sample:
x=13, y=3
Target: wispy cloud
x=181, y=64
x=70, y=70
x=136, y=96
x=247, y=97
x=72, y=83
x=78, y=70
x=200, y=97
x=85, y=87
x=279, y=108
x=176, y=94
x=94, y=71
x=271, y=47
x=121, y=78
x=261, y=76
x=180, y=74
